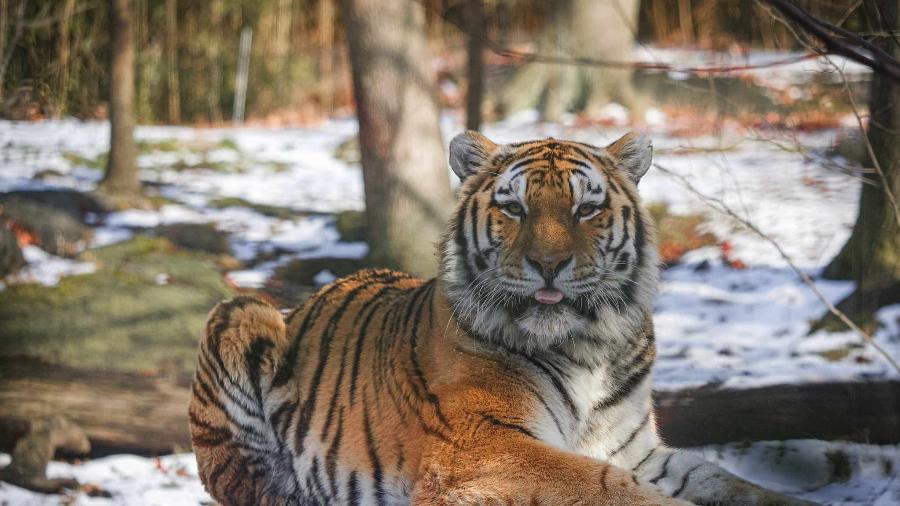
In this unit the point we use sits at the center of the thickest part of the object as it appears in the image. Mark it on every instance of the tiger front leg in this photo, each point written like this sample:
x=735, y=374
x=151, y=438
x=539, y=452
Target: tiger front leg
x=501, y=465
x=687, y=476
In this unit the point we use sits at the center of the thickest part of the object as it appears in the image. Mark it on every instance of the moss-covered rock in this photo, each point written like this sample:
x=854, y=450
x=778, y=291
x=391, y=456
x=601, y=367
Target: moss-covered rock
x=74, y=203
x=283, y=213
x=293, y=282
x=142, y=310
x=11, y=259
x=196, y=236
x=351, y=225
x=53, y=230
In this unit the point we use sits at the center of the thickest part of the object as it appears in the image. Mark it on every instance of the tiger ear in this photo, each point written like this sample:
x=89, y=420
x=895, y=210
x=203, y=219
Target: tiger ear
x=468, y=153
x=633, y=152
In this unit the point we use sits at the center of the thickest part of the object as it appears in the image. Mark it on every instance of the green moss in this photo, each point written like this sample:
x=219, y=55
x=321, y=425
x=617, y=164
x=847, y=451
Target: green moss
x=229, y=144
x=143, y=310
x=167, y=145
x=351, y=225
x=96, y=163
x=273, y=211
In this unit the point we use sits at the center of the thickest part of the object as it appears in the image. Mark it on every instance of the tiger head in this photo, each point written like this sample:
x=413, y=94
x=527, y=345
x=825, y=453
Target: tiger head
x=549, y=243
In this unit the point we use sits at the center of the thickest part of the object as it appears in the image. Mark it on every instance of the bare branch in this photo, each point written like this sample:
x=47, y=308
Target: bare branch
x=841, y=41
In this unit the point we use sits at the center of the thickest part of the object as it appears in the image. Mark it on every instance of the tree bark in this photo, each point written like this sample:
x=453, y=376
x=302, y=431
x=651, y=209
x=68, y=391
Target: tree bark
x=871, y=256
x=174, y=97
x=578, y=28
x=405, y=172
x=475, y=65
x=121, y=171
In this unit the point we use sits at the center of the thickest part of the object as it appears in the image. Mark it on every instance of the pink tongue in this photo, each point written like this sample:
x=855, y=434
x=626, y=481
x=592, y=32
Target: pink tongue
x=548, y=296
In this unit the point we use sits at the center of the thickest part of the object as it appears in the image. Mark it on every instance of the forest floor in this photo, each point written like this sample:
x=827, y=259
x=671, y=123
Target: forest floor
x=277, y=211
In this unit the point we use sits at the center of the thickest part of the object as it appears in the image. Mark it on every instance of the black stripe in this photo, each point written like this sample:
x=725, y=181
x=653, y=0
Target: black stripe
x=645, y=459
x=506, y=425
x=353, y=491
x=684, y=481
x=625, y=388
x=331, y=456
x=631, y=437
x=213, y=478
x=377, y=473
x=557, y=383
x=665, y=469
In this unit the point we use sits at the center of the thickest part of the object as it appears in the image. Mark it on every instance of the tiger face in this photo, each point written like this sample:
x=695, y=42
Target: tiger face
x=549, y=243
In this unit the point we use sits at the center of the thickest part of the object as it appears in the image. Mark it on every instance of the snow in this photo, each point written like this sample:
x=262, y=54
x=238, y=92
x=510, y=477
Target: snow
x=834, y=473
x=171, y=480
x=47, y=269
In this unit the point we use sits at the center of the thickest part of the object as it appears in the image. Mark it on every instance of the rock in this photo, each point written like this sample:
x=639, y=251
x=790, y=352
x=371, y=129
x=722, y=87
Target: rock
x=75, y=204
x=35, y=449
x=197, y=237
x=351, y=225
x=295, y=281
x=11, y=259
x=53, y=229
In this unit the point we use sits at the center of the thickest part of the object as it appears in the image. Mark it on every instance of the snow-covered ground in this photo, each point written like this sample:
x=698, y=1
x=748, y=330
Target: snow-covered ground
x=830, y=473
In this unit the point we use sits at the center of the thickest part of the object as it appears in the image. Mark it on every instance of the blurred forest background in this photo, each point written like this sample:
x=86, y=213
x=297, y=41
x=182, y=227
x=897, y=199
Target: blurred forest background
x=157, y=156
x=56, y=53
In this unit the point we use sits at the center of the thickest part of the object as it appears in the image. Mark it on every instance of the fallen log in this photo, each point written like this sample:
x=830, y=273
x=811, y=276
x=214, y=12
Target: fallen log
x=120, y=412
x=864, y=411
x=130, y=413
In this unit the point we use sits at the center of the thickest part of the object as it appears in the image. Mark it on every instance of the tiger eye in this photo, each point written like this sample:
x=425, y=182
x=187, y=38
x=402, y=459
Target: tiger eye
x=586, y=210
x=514, y=208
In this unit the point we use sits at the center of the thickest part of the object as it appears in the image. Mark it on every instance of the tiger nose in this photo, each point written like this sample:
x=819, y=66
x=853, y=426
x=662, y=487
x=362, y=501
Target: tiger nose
x=550, y=265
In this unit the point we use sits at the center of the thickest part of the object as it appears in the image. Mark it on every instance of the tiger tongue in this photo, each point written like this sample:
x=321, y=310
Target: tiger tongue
x=548, y=296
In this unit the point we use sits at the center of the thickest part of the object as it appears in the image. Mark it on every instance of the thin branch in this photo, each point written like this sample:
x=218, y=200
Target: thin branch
x=720, y=206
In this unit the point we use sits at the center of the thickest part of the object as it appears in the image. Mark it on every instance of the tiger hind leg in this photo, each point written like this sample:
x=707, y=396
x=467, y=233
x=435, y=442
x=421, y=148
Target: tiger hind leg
x=236, y=448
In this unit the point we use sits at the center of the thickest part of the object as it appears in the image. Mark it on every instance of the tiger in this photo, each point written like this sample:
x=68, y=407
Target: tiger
x=520, y=374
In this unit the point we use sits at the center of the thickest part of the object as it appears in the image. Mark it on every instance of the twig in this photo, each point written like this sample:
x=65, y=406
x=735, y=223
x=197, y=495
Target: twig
x=720, y=206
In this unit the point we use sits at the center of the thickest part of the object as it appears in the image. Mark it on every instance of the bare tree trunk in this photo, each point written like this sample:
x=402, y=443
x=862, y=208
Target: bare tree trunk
x=603, y=29
x=871, y=256
x=212, y=55
x=475, y=65
x=121, y=177
x=326, y=58
x=172, y=61
x=9, y=46
x=62, y=79
x=404, y=167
